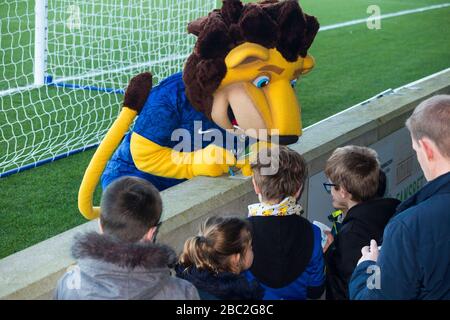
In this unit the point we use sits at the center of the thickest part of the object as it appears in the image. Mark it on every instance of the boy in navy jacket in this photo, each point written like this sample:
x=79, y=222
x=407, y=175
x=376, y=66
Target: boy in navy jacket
x=288, y=258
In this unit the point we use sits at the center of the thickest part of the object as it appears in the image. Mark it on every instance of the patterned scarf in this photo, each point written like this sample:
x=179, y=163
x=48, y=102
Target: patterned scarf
x=286, y=207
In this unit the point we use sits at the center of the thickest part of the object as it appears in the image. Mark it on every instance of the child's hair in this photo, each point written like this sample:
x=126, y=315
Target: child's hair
x=357, y=170
x=218, y=239
x=130, y=206
x=289, y=177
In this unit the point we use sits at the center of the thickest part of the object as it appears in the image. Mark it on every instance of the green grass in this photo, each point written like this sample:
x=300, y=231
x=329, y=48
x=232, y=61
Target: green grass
x=336, y=11
x=352, y=64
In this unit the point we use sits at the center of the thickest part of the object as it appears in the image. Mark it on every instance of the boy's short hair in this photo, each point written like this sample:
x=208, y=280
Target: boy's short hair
x=357, y=169
x=431, y=119
x=290, y=175
x=130, y=206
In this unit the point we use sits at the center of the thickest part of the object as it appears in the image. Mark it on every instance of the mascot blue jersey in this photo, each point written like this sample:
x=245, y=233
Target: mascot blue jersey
x=166, y=110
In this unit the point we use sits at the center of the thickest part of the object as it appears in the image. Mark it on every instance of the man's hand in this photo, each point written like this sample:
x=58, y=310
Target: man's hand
x=330, y=240
x=369, y=253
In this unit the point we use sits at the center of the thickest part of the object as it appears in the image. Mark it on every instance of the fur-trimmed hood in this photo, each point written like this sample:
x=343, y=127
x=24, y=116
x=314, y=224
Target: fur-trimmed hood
x=125, y=255
x=224, y=286
x=109, y=269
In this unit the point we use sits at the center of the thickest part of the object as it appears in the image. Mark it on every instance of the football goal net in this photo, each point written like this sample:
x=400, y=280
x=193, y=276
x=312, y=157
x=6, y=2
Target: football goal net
x=65, y=64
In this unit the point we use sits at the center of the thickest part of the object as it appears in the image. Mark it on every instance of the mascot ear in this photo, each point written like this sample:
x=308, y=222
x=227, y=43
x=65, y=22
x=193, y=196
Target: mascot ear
x=308, y=64
x=138, y=90
x=196, y=26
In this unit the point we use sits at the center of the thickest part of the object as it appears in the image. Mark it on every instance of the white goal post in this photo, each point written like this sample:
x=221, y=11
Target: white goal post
x=40, y=41
x=64, y=65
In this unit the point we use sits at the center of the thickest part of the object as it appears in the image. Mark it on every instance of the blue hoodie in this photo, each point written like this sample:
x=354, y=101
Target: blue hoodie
x=414, y=262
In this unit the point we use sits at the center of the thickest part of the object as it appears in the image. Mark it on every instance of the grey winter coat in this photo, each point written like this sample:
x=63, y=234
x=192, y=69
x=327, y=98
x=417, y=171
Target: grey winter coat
x=111, y=269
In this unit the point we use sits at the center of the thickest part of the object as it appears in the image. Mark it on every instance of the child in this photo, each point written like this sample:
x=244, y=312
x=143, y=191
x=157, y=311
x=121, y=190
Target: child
x=288, y=253
x=214, y=260
x=122, y=262
x=337, y=217
x=357, y=187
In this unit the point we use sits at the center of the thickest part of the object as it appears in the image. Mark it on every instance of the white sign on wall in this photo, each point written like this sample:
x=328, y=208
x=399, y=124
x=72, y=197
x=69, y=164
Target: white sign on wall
x=398, y=160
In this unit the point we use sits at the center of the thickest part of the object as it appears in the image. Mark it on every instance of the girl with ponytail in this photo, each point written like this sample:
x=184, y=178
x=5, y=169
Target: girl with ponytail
x=214, y=260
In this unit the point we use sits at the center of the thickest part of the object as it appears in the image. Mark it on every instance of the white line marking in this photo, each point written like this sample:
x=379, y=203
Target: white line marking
x=18, y=89
x=96, y=73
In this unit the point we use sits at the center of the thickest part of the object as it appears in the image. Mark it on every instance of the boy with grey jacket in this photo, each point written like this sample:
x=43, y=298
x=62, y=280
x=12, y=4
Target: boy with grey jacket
x=122, y=261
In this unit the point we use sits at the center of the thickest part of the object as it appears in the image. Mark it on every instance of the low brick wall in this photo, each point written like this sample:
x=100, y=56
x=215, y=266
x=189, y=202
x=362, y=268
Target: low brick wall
x=33, y=272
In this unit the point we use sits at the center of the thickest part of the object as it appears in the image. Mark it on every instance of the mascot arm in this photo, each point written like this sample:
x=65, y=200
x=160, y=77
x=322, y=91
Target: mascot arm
x=152, y=158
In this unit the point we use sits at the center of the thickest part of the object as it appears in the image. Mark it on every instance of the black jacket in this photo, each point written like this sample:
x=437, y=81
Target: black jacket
x=363, y=222
x=288, y=260
x=222, y=286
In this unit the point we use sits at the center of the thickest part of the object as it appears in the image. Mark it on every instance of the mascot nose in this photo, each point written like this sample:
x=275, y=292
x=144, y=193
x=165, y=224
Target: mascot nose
x=285, y=111
x=285, y=140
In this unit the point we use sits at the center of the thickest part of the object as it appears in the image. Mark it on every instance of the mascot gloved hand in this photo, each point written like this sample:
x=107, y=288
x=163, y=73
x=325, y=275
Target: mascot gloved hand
x=237, y=82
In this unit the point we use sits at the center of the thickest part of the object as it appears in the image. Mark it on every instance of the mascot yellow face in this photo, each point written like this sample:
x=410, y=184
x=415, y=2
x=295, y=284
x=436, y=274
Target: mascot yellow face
x=245, y=65
x=258, y=92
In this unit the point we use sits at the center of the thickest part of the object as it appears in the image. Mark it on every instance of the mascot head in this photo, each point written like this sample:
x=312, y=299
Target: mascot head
x=245, y=64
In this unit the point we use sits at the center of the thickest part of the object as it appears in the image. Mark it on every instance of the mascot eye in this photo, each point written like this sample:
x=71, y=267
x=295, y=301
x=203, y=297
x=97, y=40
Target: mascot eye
x=261, y=82
x=293, y=83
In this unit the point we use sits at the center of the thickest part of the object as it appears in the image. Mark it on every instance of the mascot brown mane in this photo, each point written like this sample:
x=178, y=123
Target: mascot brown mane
x=271, y=24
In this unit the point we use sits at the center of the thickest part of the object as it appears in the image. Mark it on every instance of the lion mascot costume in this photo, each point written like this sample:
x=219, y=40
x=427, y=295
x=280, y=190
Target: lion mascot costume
x=237, y=82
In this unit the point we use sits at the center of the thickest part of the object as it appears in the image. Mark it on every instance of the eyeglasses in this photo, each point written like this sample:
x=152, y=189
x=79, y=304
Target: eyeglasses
x=328, y=186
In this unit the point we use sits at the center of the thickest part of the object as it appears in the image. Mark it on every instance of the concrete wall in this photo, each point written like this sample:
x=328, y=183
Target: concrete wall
x=33, y=272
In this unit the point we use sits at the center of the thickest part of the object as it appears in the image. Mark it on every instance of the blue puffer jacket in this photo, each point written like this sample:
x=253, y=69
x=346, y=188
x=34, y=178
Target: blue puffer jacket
x=414, y=261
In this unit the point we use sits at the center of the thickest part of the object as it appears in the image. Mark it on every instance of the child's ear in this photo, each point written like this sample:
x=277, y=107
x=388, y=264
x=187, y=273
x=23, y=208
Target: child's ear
x=344, y=193
x=149, y=235
x=100, y=228
x=255, y=187
x=299, y=192
x=235, y=261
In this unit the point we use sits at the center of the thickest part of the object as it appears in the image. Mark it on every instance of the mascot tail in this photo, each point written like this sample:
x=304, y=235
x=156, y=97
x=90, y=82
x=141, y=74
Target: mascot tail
x=135, y=97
